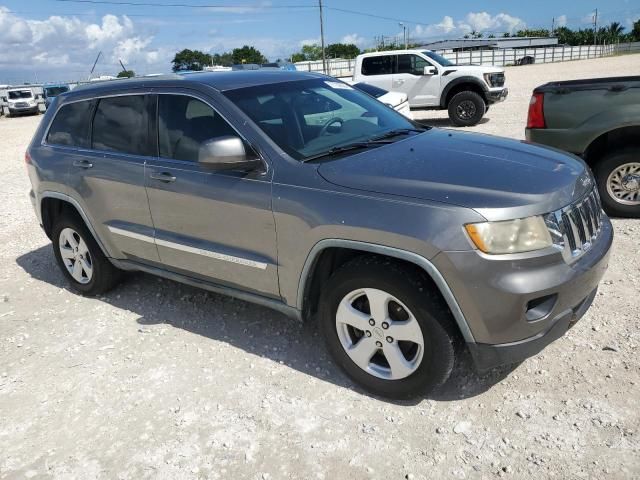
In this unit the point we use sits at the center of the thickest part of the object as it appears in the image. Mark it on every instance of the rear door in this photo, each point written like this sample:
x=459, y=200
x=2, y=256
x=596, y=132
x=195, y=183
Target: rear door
x=107, y=177
x=422, y=90
x=378, y=70
x=208, y=223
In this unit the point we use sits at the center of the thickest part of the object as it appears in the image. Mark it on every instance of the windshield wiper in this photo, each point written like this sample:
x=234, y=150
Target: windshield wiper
x=345, y=148
x=396, y=132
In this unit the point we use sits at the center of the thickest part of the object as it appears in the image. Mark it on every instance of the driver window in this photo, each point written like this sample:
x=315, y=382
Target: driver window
x=184, y=123
x=412, y=64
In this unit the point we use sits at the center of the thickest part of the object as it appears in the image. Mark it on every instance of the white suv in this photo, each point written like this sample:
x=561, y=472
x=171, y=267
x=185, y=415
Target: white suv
x=433, y=82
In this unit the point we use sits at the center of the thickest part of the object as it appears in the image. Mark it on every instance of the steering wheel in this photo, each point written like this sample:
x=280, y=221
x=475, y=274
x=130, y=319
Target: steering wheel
x=328, y=123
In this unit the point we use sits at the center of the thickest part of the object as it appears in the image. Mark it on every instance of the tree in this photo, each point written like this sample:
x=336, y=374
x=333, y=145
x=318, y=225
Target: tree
x=635, y=31
x=126, y=74
x=342, y=50
x=247, y=54
x=190, y=60
x=308, y=53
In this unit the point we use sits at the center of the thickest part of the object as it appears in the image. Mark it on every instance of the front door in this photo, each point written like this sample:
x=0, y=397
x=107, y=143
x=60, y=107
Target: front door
x=423, y=90
x=213, y=224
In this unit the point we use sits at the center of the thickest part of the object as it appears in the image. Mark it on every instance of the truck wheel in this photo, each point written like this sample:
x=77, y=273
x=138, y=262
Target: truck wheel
x=80, y=258
x=386, y=329
x=466, y=109
x=618, y=178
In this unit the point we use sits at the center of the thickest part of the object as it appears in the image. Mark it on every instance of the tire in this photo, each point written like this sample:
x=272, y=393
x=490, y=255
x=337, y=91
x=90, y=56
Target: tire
x=618, y=178
x=466, y=109
x=413, y=304
x=97, y=274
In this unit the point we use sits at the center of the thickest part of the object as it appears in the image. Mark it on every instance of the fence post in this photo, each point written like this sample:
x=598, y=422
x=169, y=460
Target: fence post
x=545, y=55
x=457, y=57
x=504, y=61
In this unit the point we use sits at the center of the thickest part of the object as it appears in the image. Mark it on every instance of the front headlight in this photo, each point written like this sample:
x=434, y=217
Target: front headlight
x=511, y=236
x=494, y=79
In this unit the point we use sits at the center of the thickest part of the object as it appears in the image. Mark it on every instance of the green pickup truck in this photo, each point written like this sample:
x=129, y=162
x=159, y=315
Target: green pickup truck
x=599, y=120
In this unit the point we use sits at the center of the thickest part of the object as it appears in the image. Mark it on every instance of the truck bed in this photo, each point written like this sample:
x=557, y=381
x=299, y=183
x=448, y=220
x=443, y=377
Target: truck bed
x=609, y=83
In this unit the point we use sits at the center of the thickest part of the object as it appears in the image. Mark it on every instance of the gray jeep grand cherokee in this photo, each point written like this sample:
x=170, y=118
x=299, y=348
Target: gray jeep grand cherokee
x=296, y=191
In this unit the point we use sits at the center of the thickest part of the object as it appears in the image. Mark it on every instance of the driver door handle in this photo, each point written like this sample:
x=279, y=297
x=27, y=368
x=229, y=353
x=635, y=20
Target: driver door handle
x=82, y=164
x=165, y=177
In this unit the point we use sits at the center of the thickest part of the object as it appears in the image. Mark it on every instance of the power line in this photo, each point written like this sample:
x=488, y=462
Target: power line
x=180, y=5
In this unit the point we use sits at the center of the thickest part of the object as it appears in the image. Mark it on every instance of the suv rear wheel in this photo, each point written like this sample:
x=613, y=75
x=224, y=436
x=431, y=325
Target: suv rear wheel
x=386, y=329
x=80, y=258
x=466, y=109
x=618, y=178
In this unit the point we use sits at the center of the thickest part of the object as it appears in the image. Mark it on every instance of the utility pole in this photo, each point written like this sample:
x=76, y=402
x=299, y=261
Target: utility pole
x=324, y=60
x=595, y=27
x=122, y=65
x=404, y=34
x=553, y=25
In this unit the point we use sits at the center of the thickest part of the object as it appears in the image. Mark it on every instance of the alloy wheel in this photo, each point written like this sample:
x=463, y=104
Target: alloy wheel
x=75, y=255
x=623, y=184
x=379, y=334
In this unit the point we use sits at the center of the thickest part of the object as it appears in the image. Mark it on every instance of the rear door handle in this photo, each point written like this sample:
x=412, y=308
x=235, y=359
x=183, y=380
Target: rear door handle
x=165, y=177
x=82, y=164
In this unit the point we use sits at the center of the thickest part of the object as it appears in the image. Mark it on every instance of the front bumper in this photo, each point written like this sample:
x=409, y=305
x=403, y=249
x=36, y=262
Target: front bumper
x=503, y=297
x=23, y=110
x=497, y=95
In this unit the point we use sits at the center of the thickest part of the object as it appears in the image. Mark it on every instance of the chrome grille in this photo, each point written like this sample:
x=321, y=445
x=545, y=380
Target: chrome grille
x=576, y=226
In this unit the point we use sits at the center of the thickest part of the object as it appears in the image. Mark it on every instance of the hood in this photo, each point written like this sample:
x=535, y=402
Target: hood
x=477, y=69
x=499, y=178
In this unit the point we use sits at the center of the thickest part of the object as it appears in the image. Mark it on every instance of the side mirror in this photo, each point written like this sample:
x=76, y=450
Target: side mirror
x=430, y=70
x=226, y=153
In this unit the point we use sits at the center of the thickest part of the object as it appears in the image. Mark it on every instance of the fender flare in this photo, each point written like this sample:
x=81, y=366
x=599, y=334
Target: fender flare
x=414, y=258
x=74, y=203
x=461, y=80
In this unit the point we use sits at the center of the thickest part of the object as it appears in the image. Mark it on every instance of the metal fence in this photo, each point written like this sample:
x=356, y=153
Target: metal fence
x=499, y=57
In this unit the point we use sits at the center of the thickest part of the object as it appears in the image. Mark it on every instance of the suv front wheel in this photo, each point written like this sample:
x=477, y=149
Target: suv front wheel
x=386, y=328
x=466, y=109
x=80, y=258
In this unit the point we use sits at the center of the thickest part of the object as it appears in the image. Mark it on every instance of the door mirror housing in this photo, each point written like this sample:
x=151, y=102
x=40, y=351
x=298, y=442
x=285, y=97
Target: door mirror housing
x=226, y=153
x=430, y=70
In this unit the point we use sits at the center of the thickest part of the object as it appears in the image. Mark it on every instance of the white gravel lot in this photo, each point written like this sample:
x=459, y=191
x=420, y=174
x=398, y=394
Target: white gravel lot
x=160, y=380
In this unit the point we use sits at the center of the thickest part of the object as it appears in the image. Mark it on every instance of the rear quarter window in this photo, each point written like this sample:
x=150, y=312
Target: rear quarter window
x=381, y=65
x=70, y=127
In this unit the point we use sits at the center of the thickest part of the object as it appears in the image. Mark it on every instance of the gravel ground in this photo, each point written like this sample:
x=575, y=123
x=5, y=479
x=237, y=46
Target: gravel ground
x=160, y=380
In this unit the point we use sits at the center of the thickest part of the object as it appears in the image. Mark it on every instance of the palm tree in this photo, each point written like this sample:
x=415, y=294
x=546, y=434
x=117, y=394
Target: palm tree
x=614, y=30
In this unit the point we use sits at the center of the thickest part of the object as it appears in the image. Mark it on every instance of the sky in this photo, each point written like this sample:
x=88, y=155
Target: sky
x=58, y=40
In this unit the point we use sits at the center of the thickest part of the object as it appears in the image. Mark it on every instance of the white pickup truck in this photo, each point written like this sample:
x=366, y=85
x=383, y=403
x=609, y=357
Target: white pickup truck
x=433, y=82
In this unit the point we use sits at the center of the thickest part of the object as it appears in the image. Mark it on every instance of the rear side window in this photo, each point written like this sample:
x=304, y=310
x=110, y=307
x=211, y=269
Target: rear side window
x=184, y=124
x=412, y=64
x=121, y=125
x=382, y=65
x=70, y=127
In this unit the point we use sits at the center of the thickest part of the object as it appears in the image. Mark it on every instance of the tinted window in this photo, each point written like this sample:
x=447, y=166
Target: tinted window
x=120, y=125
x=71, y=125
x=184, y=123
x=283, y=112
x=370, y=89
x=412, y=64
x=382, y=65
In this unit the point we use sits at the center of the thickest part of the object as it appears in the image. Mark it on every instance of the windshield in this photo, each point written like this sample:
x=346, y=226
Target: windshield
x=439, y=58
x=18, y=94
x=375, y=92
x=55, y=91
x=307, y=118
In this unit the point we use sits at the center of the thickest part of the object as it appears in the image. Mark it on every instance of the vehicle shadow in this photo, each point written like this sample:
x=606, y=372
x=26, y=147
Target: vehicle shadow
x=255, y=329
x=444, y=122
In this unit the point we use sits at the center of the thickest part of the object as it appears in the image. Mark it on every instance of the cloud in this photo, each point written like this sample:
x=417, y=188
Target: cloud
x=561, y=21
x=473, y=21
x=63, y=48
x=240, y=9
x=355, y=39
x=309, y=41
